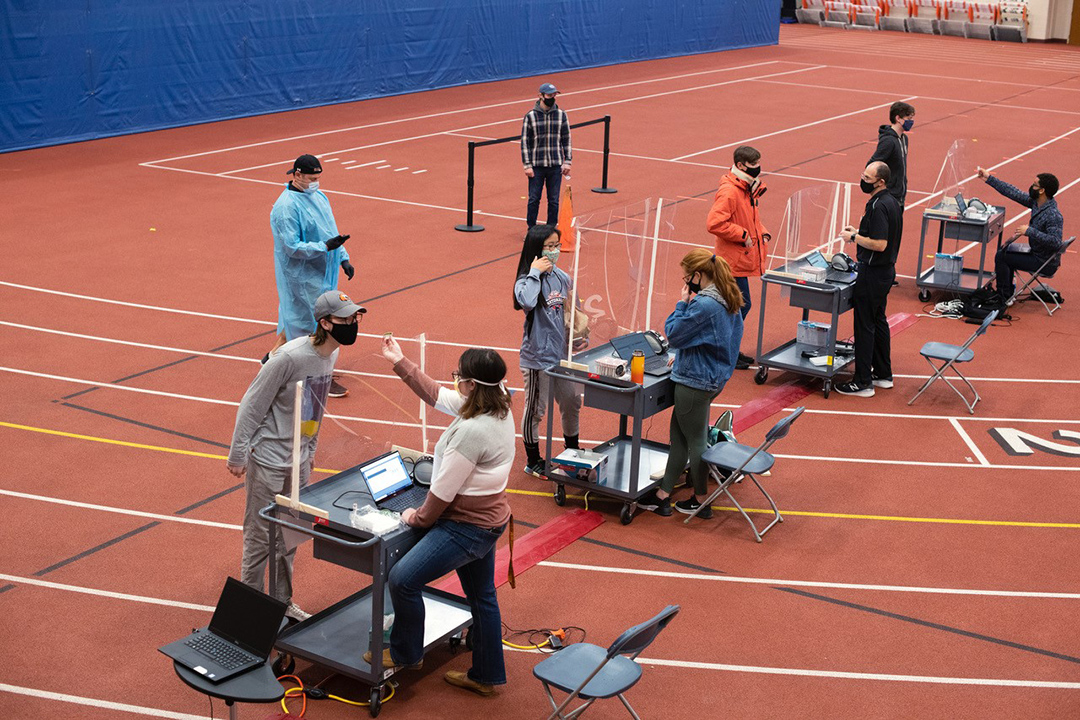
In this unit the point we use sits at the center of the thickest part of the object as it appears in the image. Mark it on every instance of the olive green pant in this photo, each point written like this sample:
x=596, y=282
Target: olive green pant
x=689, y=434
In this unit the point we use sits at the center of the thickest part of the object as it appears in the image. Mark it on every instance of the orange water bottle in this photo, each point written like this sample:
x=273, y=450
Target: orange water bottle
x=637, y=367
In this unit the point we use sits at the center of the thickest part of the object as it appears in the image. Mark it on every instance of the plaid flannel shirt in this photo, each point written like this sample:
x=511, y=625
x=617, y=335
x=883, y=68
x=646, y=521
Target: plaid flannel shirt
x=545, y=138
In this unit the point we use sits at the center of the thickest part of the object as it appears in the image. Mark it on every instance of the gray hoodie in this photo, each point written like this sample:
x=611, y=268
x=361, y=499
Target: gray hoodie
x=543, y=344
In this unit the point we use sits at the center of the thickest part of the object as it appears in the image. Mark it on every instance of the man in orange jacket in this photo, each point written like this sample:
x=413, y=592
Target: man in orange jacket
x=741, y=239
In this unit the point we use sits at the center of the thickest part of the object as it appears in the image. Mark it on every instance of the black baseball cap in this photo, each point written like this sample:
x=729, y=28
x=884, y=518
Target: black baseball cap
x=307, y=164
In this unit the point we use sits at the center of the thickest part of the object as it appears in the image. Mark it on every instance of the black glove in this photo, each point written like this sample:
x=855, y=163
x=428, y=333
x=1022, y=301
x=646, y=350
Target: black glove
x=348, y=268
x=335, y=242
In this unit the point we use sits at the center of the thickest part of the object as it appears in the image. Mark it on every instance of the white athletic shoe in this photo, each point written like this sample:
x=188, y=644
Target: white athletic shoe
x=293, y=612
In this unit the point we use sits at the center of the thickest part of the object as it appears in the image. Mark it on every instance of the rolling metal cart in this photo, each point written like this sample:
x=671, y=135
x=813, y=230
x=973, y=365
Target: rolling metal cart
x=631, y=459
x=831, y=296
x=338, y=636
x=953, y=226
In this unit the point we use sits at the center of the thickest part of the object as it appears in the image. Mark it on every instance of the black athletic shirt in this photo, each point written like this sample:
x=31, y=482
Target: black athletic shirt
x=880, y=221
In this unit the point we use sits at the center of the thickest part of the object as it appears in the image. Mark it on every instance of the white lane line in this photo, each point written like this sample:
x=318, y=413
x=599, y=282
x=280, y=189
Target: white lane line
x=517, y=120
x=991, y=105
x=96, y=703
x=791, y=129
x=400, y=169
x=334, y=158
x=475, y=108
x=810, y=583
x=347, y=162
x=103, y=593
x=840, y=674
x=887, y=677
x=1000, y=164
x=121, y=511
x=383, y=167
x=968, y=441
x=417, y=172
x=920, y=463
x=373, y=162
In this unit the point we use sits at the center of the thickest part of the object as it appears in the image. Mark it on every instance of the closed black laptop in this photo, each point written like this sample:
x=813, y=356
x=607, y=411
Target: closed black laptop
x=240, y=636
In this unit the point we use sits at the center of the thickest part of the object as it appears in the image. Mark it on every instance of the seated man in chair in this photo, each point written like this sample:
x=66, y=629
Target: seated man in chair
x=1043, y=232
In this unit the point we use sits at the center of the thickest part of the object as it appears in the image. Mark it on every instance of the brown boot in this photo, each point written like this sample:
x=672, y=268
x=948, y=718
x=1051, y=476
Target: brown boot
x=462, y=680
x=388, y=662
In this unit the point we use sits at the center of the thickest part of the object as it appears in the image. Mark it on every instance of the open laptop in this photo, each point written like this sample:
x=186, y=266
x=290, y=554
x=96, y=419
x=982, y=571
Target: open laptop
x=816, y=259
x=655, y=365
x=240, y=636
x=390, y=484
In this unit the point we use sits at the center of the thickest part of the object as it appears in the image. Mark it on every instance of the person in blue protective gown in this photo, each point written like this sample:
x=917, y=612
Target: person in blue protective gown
x=308, y=250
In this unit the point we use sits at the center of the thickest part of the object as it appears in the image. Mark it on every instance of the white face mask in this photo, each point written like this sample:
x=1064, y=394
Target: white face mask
x=312, y=187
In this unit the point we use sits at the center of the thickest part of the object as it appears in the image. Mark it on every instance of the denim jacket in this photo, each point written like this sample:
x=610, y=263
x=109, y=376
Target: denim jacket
x=707, y=338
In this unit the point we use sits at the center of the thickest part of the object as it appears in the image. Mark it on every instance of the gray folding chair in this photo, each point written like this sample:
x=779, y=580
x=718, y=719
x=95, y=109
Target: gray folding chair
x=593, y=673
x=950, y=356
x=730, y=462
x=1036, y=277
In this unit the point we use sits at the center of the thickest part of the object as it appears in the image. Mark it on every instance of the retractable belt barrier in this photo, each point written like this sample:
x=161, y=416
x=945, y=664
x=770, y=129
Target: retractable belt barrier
x=470, y=226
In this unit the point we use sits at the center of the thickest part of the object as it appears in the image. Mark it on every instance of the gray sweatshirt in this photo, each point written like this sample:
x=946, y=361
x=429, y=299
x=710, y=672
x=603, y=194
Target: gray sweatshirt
x=544, y=344
x=264, y=422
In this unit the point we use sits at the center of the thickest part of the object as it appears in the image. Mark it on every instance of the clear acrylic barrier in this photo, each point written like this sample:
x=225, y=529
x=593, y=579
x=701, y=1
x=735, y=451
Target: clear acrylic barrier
x=379, y=412
x=956, y=177
x=622, y=271
x=813, y=218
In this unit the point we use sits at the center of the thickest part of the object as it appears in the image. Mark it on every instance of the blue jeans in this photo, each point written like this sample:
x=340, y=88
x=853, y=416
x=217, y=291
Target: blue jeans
x=744, y=288
x=551, y=176
x=447, y=546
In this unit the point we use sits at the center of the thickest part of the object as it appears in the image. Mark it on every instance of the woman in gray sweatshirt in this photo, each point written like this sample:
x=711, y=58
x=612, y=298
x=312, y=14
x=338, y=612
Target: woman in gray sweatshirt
x=541, y=291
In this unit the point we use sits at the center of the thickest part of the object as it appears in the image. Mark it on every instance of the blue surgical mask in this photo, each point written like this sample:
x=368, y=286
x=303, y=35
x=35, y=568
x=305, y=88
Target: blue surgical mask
x=553, y=256
x=312, y=187
x=908, y=124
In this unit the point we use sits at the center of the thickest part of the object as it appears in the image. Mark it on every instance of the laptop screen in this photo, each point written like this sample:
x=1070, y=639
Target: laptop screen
x=385, y=476
x=627, y=344
x=247, y=617
x=816, y=259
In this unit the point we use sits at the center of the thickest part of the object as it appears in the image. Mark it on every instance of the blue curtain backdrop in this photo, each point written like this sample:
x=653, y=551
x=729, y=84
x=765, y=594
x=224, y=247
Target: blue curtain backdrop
x=79, y=69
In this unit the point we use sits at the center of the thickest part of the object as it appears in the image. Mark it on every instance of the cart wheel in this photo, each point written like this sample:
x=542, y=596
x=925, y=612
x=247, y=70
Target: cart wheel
x=828, y=388
x=376, y=701
x=924, y=295
x=560, y=494
x=627, y=514
x=455, y=643
x=761, y=375
x=284, y=664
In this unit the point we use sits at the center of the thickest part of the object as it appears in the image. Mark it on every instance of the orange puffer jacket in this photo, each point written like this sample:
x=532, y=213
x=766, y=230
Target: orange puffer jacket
x=734, y=218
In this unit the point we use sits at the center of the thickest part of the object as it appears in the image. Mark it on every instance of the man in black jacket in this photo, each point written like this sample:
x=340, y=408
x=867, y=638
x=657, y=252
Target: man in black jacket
x=892, y=149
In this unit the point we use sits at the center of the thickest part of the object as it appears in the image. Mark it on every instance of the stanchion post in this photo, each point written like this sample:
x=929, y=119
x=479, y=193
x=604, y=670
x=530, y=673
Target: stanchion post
x=607, y=152
x=468, y=226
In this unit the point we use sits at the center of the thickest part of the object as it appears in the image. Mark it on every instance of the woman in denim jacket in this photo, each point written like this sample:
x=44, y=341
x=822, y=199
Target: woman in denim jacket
x=706, y=330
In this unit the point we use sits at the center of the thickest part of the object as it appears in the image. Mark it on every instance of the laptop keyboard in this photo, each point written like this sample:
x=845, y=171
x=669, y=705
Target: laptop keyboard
x=414, y=497
x=226, y=654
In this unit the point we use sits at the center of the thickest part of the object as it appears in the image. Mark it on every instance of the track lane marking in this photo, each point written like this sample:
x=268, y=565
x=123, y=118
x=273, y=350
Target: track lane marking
x=968, y=441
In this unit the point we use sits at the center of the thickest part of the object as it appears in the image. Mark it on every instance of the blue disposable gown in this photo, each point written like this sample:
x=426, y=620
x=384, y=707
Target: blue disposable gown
x=302, y=222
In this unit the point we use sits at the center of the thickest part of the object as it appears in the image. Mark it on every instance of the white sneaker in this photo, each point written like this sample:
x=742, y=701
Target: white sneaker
x=293, y=612
x=882, y=382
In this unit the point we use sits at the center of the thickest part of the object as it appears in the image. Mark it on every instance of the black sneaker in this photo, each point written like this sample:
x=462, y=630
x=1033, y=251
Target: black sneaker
x=744, y=362
x=882, y=382
x=536, y=469
x=337, y=389
x=853, y=388
x=690, y=504
x=651, y=501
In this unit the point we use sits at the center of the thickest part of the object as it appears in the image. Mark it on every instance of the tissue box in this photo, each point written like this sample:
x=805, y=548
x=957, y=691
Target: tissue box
x=814, y=274
x=583, y=465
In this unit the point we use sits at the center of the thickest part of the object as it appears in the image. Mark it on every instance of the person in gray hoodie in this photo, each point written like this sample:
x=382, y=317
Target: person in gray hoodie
x=541, y=291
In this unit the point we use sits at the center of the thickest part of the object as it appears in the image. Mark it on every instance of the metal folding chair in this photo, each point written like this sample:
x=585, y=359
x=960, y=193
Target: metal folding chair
x=1036, y=277
x=592, y=673
x=730, y=462
x=950, y=356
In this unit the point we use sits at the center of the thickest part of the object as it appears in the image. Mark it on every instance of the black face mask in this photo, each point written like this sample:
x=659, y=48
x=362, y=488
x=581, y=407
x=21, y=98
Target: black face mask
x=1033, y=192
x=549, y=101
x=753, y=171
x=693, y=287
x=866, y=187
x=344, y=334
